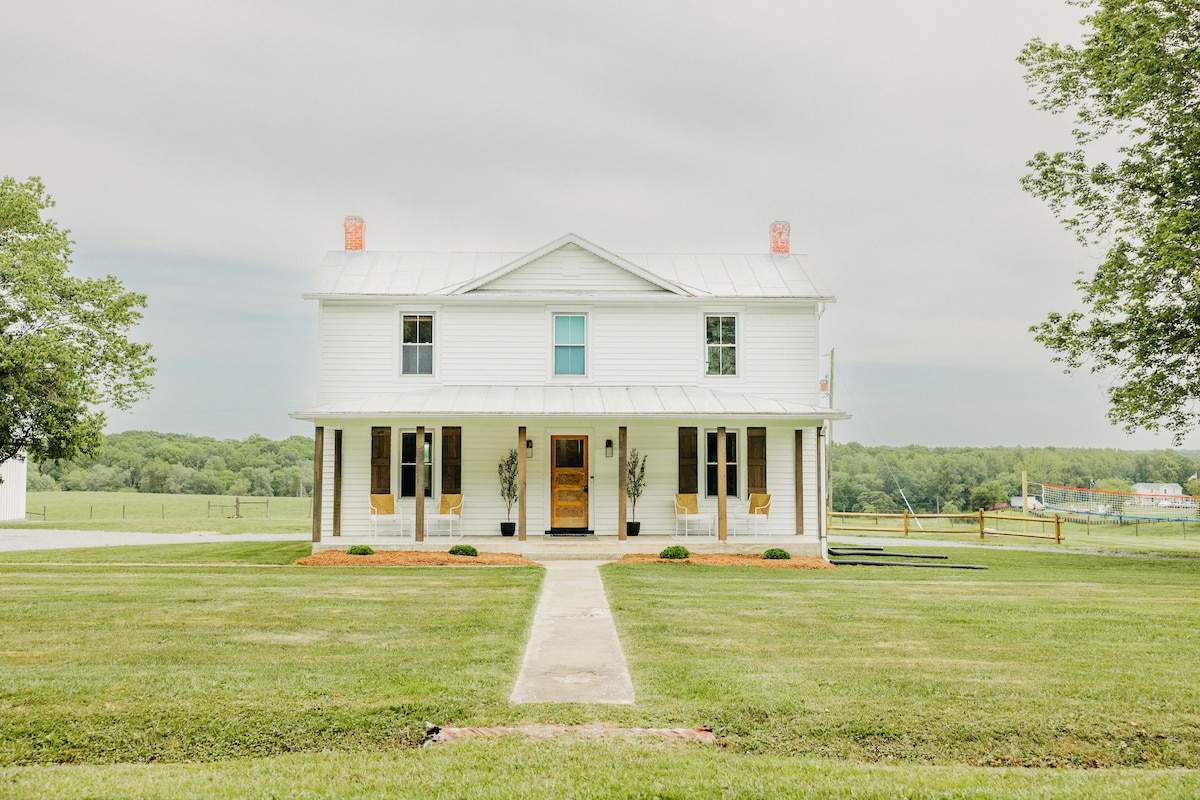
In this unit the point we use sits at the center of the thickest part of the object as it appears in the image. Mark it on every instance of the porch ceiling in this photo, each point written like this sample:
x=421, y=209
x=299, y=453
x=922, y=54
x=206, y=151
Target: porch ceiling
x=568, y=401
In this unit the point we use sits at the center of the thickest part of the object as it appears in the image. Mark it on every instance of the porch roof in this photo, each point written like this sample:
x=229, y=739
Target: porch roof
x=568, y=401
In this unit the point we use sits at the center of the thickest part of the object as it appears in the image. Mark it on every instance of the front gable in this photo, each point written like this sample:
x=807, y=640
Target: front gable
x=570, y=266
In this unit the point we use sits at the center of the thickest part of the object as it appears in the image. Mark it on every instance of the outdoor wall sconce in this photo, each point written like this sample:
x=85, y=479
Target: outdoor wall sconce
x=608, y=448
x=529, y=448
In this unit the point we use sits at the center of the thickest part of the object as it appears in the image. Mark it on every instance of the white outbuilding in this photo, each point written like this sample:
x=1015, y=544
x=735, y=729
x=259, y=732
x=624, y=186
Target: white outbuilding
x=12, y=490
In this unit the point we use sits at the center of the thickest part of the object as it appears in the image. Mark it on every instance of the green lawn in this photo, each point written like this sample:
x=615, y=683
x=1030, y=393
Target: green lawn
x=163, y=513
x=216, y=552
x=293, y=681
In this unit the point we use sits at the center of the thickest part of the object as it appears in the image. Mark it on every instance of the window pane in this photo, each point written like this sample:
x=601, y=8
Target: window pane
x=408, y=448
x=577, y=330
x=425, y=359
x=712, y=330
x=714, y=360
x=562, y=361
x=562, y=329
x=569, y=329
x=576, y=360
x=728, y=330
x=728, y=361
x=410, y=330
x=425, y=330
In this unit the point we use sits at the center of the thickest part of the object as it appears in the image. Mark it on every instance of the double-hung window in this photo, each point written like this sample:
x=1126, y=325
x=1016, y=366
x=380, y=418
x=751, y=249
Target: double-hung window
x=731, y=467
x=416, y=345
x=720, y=345
x=408, y=463
x=570, y=344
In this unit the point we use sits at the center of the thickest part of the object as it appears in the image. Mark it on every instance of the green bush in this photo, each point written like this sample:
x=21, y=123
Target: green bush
x=360, y=550
x=674, y=551
x=463, y=550
x=777, y=552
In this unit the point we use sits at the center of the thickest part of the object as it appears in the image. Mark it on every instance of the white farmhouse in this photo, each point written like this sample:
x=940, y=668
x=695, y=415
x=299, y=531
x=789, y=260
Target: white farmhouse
x=433, y=366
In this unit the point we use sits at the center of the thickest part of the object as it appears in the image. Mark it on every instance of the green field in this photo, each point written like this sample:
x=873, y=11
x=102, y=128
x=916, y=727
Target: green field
x=168, y=681
x=1171, y=538
x=164, y=513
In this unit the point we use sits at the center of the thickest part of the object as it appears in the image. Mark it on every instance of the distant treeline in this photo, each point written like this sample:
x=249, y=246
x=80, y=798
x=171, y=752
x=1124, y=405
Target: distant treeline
x=933, y=479
x=173, y=463
x=952, y=479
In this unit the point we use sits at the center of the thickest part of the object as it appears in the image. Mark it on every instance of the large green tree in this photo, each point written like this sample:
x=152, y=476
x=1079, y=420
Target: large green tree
x=65, y=351
x=1131, y=189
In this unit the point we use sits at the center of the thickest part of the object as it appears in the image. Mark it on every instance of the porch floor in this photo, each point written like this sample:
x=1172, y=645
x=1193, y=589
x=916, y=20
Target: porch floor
x=603, y=548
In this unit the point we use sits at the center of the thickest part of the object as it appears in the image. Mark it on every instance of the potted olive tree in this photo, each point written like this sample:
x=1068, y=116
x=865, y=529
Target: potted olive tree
x=635, y=484
x=508, y=490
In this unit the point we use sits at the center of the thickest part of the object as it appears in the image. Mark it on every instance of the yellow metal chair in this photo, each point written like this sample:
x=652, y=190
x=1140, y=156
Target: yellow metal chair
x=688, y=517
x=383, y=509
x=757, y=517
x=449, y=513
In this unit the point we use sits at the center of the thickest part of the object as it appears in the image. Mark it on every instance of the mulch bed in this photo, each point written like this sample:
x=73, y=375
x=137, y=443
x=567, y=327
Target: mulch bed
x=412, y=558
x=731, y=560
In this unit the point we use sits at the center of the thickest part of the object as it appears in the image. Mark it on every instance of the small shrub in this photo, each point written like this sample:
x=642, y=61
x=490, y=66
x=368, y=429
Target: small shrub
x=463, y=550
x=674, y=551
x=777, y=552
x=360, y=550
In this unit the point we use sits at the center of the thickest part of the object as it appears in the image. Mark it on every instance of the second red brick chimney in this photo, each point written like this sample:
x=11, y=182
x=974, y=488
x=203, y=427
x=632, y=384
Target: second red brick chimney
x=781, y=238
x=356, y=233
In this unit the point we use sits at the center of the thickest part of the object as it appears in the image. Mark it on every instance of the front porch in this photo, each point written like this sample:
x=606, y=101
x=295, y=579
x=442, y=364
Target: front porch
x=539, y=547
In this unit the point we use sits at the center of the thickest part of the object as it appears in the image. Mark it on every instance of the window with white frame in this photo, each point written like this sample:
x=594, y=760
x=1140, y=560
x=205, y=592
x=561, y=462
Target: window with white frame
x=416, y=344
x=408, y=463
x=570, y=344
x=720, y=344
x=731, y=464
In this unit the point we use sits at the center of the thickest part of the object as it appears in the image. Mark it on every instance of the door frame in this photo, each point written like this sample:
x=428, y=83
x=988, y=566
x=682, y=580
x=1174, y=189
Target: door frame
x=589, y=464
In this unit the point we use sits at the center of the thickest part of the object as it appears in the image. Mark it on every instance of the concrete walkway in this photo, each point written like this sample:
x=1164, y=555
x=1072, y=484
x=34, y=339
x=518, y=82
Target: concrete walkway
x=47, y=539
x=573, y=655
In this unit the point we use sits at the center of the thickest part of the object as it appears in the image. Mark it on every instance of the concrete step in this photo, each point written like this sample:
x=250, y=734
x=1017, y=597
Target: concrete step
x=576, y=553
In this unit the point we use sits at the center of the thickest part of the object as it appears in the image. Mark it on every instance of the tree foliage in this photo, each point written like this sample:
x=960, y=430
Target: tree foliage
x=64, y=346
x=1133, y=82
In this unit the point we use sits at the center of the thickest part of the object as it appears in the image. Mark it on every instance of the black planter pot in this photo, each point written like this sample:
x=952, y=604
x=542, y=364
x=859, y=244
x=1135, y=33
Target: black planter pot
x=508, y=528
x=633, y=528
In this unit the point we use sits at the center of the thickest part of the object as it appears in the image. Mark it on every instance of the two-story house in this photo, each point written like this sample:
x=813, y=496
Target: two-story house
x=433, y=366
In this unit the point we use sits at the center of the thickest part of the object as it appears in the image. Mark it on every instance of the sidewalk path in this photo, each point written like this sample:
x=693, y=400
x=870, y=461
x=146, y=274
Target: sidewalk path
x=43, y=539
x=573, y=655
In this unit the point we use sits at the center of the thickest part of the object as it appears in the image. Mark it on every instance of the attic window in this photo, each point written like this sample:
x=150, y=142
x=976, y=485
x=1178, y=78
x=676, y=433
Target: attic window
x=416, y=348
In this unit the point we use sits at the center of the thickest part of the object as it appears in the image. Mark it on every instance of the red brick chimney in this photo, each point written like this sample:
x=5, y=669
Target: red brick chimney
x=356, y=233
x=781, y=238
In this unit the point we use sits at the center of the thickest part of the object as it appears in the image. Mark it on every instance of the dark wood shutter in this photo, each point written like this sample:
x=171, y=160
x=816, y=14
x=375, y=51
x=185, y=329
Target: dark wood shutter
x=451, y=460
x=689, y=460
x=381, y=460
x=756, y=460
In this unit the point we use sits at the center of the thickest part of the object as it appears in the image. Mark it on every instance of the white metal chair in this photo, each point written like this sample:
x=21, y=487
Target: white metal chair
x=383, y=510
x=448, y=515
x=757, y=517
x=688, y=519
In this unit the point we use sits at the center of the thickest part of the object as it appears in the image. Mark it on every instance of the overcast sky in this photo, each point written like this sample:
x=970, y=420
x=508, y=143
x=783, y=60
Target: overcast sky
x=206, y=153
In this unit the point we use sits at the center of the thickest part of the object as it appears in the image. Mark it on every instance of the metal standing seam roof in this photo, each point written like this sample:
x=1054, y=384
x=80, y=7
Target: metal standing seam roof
x=388, y=273
x=573, y=401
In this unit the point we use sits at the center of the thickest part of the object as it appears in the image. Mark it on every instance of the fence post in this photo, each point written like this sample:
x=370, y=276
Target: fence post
x=906, y=522
x=1058, y=529
x=237, y=508
x=981, y=524
x=122, y=511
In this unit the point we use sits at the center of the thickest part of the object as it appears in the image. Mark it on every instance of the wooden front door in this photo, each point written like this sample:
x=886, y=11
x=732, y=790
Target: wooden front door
x=569, y=482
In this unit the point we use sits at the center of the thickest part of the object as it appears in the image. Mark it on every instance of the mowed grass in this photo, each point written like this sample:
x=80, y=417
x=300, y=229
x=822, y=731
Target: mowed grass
x=217, y=552
x=1044, y=660
x=163, y=513
x=108, y=664
x=1168, y=538
x=289, y=681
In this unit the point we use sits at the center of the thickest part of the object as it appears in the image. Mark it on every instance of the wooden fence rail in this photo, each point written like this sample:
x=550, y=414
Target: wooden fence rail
x=978, y=521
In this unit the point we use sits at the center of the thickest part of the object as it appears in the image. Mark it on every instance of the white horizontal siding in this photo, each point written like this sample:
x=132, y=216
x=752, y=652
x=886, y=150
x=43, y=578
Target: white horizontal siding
x=12, y=490
x=570, y=270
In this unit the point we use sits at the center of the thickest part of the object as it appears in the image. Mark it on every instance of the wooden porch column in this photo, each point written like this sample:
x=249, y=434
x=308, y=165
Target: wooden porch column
x=318, y=464
x=419, y=490
x=337, y=482
x=822, y=506
x=800, y=482
x=622, y=488
x=722, y=486
x=521, y=483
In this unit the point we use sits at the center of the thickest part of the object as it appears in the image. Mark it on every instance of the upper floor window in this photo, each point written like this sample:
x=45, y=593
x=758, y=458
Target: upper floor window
x=416, y=345
x=570, y=332
x=720, y=344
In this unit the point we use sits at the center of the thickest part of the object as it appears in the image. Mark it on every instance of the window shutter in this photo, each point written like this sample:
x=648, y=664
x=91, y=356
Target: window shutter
x=381, y=460
x=689, y=461
x=756, y=460
x=451, y=461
